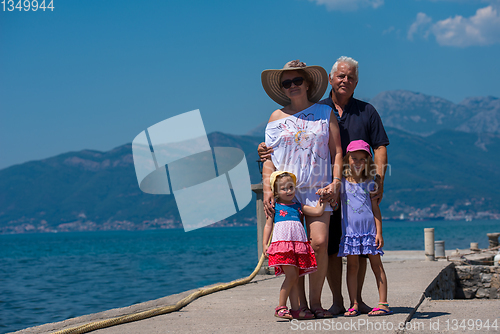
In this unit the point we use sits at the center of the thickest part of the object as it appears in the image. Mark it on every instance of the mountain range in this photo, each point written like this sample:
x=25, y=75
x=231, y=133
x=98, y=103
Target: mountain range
x=443, y=165
x=424, y=114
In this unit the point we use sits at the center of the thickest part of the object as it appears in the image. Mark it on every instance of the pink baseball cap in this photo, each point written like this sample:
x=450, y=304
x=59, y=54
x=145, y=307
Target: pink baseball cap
x=358, y=145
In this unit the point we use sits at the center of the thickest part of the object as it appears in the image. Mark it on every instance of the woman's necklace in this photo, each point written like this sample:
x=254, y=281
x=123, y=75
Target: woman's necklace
x=353, y=189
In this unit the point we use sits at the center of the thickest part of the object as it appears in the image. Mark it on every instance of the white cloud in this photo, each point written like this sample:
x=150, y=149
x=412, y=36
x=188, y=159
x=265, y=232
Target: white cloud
x=349, y=4
x=388, y=30
x=481, y=29
x=464, y=1
x=421, y=25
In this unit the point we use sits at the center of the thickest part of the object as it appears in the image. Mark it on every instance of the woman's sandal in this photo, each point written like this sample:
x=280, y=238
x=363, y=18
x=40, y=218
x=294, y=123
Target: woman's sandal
x=321, y=313
x=384, y=312
x=282, y=312
x=302, y=314
x=352, y=309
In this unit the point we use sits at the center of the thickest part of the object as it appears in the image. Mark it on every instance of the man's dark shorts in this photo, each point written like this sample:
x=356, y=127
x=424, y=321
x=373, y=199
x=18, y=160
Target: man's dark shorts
x=335, y=232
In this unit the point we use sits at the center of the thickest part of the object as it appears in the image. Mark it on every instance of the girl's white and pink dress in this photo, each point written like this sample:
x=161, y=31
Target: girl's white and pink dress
x=289, y=245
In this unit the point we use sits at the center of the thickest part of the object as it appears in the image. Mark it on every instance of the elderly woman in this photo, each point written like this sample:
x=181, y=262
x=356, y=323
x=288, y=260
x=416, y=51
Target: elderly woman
x=305, y=140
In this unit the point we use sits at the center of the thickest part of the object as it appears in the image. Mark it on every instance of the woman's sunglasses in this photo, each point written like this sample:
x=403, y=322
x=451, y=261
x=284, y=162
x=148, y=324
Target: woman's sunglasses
x=296, y=81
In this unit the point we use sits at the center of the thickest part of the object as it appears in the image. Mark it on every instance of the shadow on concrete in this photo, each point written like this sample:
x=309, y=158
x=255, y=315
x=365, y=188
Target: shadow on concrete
x=429, y=315
x=401, y=309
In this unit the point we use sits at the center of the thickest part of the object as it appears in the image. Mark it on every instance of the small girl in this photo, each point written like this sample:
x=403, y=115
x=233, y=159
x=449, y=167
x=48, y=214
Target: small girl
x=290, y=252
x=361, y=224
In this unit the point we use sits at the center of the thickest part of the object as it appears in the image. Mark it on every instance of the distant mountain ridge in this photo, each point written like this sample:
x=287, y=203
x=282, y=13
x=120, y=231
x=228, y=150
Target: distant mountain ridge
x=442, y=176
x=442, y=156
x=485, y=121
x=424, y=115
x=92, y=190
x=418, y=113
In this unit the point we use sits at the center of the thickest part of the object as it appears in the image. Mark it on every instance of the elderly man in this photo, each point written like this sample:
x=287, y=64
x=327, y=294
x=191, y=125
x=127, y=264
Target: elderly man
x=357, y=120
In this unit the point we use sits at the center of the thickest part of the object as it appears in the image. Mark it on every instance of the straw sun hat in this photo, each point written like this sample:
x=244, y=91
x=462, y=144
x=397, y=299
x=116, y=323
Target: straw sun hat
x=272, y=83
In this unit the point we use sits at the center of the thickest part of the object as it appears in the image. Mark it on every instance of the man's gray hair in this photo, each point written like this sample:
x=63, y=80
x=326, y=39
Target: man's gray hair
x=349, y=61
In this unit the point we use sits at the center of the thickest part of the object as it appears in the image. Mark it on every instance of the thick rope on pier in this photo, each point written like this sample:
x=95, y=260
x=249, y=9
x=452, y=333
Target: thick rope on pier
x=161, y=310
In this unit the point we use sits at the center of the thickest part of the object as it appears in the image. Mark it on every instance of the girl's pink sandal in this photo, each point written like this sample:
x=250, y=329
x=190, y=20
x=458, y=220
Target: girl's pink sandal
x=350, y=311
x=282, y=312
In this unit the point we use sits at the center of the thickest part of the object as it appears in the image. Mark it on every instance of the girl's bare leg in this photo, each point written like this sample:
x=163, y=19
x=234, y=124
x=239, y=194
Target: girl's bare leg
x=302, y=292
x=352, y=281
x=363, y=308
x=381, y=278
x=289, y=287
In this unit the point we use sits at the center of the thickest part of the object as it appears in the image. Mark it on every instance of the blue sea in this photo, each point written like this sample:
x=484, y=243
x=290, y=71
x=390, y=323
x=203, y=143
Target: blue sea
x=52, y=277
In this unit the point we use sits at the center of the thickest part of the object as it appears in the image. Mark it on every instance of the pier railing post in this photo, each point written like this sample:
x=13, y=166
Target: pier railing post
x=261, y=222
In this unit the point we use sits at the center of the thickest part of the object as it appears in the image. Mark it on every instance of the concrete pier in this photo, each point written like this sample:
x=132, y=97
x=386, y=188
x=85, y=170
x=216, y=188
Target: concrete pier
x=250, y=308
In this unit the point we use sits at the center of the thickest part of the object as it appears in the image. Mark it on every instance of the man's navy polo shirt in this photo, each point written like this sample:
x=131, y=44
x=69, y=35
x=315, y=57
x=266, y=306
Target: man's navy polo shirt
x=359, y=120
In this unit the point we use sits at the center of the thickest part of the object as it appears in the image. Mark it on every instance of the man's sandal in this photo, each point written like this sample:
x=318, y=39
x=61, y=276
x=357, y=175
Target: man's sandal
x=302, y=314
x=321, y=313
x=336, y=310
x=364, y=309
x=282, y=312
x=384, y=312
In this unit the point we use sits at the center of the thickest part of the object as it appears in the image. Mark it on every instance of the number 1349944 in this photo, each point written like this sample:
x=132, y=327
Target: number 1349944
x=27, y=5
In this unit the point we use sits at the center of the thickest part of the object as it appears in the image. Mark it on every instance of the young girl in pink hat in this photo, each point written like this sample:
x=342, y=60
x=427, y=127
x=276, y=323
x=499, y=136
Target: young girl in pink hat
x=361, y=224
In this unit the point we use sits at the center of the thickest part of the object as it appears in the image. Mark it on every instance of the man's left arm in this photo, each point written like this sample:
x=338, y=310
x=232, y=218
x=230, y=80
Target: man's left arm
x=380, y=159
x=379, y=142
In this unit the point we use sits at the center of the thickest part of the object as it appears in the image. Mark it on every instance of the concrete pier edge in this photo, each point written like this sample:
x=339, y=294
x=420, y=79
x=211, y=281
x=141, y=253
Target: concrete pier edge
x=173, y=299
x=427, y=292
x=112, y=313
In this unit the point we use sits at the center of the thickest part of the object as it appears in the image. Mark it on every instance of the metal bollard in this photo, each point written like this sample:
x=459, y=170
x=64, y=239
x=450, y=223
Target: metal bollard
x=493, y=239
x=474, y=246
x=439, y=247
x=429, y=243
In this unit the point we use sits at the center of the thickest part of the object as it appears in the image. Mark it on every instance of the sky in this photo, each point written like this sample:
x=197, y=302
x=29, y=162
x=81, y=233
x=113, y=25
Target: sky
x=93, y=74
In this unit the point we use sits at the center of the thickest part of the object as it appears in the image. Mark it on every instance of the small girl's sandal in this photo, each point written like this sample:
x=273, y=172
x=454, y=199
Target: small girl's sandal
x=282, y=312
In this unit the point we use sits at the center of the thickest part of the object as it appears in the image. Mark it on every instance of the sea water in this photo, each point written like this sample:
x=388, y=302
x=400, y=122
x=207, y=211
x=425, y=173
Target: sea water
x=52, y=277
